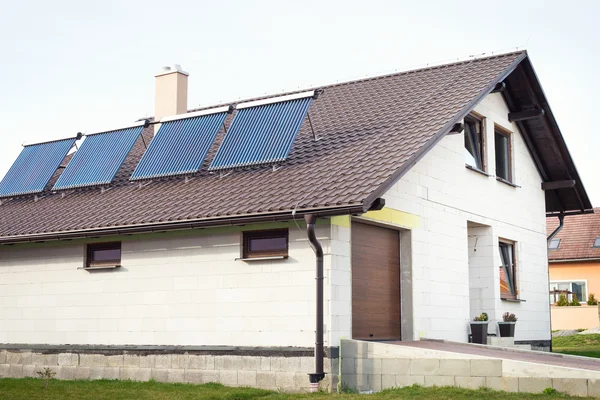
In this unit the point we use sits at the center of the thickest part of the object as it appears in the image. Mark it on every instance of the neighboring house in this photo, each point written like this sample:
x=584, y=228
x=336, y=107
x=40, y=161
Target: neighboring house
x=195, y=263
x=574, y=265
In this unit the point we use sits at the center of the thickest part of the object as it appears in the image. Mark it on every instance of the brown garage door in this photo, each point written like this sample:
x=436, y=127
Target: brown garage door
x=375, y=282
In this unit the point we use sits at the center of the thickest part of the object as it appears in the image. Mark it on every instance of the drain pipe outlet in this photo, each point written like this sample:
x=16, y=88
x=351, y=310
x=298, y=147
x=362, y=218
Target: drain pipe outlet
x=318, y=375
x=561, y=223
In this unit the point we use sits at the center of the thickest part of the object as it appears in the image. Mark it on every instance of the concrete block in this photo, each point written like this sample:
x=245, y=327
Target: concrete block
x=469, y=382
x=437, y=380
x=285, y=380
x=82, y=373
x=534, y=385
x=248, y=378
x=96, y=372
x=572, y=386
x=68, y=359
x=13, y=357
x=455, y=367
x=354, y=382
x=176, y=375
x=131, y=360
x=113, y=361
x=66, y=372
x=388, y=381
x=265, y=363
x=146, y=361
x=196, y=362
x=266, y=379
x=307, y=364
x=209, y=376
x=286, y=364
x=348, y=365
x=302, y=383
x=395, y=366
x=409, y=380
x=2, y=356
x=193, y=376
x=210, y=363
x=424, y=366
x=162, y=361
x=374, y=382
x=15, y=371
x=486, y=368
x=593, y=386
x=506, y=383
x=26, y=358
x=160, y=374
x=228, y=377
x=110, y=373
x=135, y=374
x=368, y=366
x=179, y=361
x=90, y=360
x=30, y=371
x=4, y=370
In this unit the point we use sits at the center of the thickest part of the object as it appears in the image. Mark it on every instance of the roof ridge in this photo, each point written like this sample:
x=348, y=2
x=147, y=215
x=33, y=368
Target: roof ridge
x=354, y=81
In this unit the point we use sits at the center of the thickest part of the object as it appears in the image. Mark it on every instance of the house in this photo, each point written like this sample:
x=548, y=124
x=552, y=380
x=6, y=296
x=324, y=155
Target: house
x=574, y=268
x=417, y=200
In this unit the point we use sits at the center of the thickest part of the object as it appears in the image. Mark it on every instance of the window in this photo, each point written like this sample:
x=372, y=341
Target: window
x=474, y=143
x=508, y=281
x=260, y=244
x=503, y=155
x=101, y=255
x=569, y=289
x=554, y=243
x=597, y=242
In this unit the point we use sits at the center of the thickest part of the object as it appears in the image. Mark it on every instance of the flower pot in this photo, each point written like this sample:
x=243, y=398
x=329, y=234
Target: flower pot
x=479, y=332
x=507, y=329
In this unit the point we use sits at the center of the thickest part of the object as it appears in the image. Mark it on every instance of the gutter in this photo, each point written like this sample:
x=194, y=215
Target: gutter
x=318, y=375
x=224, y=220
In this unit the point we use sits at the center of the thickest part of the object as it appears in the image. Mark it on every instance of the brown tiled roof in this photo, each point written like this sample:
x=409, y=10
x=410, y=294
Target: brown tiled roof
x=577, y=236
x=370, y=132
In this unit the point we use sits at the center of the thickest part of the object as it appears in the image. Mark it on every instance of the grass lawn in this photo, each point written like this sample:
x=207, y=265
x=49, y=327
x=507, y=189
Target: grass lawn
x=33, y=389
x=578, y=345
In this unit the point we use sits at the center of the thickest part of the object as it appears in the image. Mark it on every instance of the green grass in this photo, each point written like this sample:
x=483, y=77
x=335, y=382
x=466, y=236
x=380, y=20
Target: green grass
x=578, y=345
x=33, y=389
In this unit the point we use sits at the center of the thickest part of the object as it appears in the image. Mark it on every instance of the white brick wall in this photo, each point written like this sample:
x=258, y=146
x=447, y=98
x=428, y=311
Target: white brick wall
x=446, y=195
x=186, y=290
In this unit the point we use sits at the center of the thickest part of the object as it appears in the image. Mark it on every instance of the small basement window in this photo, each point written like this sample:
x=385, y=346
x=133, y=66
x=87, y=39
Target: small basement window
x=597, y=242
x=264, y=244
x=554, y=243
x=103, y=255
x=474, y=143
x=503, y=155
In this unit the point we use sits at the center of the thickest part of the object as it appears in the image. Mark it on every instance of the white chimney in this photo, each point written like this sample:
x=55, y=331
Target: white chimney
x=171, y=92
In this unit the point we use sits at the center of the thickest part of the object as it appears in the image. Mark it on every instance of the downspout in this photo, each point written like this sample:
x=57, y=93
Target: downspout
x=318, y=375
x=561, y=223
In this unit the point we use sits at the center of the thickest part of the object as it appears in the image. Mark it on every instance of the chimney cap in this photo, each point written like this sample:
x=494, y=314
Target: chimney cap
x=170, y=69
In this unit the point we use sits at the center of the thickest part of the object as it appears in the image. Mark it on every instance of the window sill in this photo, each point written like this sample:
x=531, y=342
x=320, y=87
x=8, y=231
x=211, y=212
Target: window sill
x=507, y=182
x=262, y=258
x=472, y=168
x=512, y=300
x=100, y=267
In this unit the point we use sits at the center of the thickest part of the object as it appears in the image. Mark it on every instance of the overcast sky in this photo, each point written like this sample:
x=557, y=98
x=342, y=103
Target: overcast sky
x=69, y=66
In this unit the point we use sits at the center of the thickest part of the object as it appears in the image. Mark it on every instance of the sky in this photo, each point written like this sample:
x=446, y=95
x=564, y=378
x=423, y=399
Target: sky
x=83, y=66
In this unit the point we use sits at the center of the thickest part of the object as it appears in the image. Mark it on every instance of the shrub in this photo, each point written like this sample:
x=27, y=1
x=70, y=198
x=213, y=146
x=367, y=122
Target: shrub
x=575, y=301
x=550, y=390
x=46, y=374
x=509, y=317
x=591, y=301
x=481, y=317
x=562, y=301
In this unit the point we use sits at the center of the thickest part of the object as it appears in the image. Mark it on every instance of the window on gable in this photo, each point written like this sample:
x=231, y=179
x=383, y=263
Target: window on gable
x=569, y=289
x=508, y=270
x=100, y=255
x=474, y=143
x=259, y=244
x=503, y=155
x=597, y=242
x=554, y=243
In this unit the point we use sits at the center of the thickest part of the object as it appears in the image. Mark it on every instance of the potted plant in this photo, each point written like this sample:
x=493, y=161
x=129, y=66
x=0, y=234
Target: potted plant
x=507, y=326
x=479, y=329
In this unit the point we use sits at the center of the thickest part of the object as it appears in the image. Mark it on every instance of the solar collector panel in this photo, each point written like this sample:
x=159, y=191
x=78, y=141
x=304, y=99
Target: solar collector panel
x=179, y=147
x=261, y=134
x=98, y=159
x=34, y=167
